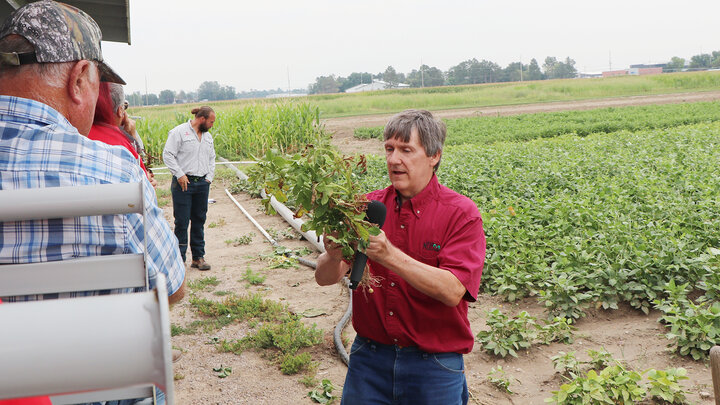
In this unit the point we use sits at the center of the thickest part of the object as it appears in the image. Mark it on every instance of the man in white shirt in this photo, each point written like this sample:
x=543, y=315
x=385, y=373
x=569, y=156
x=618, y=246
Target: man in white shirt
x=190, y=155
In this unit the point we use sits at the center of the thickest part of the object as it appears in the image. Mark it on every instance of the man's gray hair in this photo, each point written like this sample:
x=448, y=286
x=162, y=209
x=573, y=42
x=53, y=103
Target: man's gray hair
x=53, y=74
x=432, y=132
x=117, y=95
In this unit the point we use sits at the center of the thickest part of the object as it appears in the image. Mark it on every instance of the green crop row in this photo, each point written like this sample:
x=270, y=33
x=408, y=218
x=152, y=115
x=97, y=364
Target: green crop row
x=595, y=220
x=487, y=130
x=247, y=131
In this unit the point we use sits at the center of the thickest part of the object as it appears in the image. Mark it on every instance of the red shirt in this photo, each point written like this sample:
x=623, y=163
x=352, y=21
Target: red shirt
x=438, y=227
x=112, y=135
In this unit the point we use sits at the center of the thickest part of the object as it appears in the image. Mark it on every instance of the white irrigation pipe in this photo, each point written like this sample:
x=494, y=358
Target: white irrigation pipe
x=247, y=214
x=267, y=236
x=285, y=213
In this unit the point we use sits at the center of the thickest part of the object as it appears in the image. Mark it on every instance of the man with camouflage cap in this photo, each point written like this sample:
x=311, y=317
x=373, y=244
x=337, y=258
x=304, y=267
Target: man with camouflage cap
x=51, y=66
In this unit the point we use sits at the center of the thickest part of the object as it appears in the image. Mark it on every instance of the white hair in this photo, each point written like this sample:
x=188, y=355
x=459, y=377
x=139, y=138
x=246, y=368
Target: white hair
x=117, y=95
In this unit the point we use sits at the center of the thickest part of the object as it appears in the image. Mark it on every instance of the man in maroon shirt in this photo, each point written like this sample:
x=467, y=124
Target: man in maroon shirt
x=413, y=329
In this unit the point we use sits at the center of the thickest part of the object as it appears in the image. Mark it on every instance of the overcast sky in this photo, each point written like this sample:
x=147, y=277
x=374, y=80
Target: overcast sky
x=266, y=44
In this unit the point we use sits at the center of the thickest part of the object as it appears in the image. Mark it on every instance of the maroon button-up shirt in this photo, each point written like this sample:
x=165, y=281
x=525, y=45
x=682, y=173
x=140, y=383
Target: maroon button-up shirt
x=438, y=227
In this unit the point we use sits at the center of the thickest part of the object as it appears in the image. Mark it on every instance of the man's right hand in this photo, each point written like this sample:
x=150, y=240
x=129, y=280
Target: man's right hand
x=183, y=182
x=333, y=249
x=330, y=265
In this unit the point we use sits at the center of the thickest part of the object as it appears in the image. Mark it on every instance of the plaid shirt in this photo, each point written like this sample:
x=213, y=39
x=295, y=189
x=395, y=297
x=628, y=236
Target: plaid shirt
x=40, y=148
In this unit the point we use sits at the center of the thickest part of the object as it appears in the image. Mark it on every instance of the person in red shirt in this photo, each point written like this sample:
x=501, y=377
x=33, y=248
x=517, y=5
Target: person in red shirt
x=412, y=328
x=109, y=115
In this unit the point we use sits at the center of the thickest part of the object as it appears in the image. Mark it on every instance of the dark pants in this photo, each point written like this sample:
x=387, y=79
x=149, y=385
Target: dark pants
x=190, y=207
x=393, y=375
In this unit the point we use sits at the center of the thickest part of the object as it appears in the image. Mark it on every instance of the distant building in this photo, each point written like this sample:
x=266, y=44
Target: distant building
x=611, y=73
x=654, y=65
x=375, y=85
x=645, y=71
x=636, y=70
x=588, y=75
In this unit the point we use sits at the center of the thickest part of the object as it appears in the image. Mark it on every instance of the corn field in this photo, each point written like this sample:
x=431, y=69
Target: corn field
x=244, y=132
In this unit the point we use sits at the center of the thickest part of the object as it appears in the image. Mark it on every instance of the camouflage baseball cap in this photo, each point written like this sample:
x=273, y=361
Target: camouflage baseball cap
x=59, y=33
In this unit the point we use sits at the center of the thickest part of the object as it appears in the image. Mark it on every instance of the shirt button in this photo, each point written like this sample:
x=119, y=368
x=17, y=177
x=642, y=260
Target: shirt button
x=392, y=284
x=395, y=340
x=391, y=313
x=418, y=211
x=402, y=226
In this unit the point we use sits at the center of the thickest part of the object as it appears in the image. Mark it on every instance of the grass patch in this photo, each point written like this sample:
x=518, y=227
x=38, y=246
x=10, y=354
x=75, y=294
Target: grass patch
x=239, y=308
x=164, y=196
x=277, y=330
x=203, y=283
x=253, y=278
x=176, y=330
x=241, y=240
x=285, y=339
x=224, y=174
x=220, y=222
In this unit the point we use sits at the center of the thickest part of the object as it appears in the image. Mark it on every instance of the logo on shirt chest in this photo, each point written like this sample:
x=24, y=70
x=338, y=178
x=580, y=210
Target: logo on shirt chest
x=431, y=246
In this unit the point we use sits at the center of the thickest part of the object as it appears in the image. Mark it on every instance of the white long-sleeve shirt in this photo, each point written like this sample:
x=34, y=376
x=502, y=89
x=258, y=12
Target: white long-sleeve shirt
x=185, y=154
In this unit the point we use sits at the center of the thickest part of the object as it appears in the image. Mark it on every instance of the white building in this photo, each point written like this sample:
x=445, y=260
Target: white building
x=375, y=85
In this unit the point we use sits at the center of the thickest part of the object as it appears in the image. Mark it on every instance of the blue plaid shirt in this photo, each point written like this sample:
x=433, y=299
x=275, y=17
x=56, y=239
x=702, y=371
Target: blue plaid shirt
x=40, y=148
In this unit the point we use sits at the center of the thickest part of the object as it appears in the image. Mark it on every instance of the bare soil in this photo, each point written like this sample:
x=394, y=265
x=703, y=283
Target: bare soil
x=627, y=334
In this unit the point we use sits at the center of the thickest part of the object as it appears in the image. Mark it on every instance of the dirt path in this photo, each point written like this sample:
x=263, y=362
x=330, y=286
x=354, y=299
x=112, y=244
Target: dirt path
x=626, y=333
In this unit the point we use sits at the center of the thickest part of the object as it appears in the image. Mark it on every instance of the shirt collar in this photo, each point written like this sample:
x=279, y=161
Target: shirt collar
x=32, y=111
x=418, y=203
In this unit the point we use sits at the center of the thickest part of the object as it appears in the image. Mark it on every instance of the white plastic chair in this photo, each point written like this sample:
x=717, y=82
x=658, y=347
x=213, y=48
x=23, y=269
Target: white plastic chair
x=73, y=346
x=93, y=348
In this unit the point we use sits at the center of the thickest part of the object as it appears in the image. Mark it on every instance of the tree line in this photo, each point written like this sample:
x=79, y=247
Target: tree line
x=697, y=62
x=470, y=71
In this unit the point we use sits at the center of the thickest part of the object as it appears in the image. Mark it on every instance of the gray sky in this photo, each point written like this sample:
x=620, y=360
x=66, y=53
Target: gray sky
x=178, y=44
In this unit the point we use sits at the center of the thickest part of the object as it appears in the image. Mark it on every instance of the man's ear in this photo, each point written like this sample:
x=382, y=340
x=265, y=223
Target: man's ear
x=435, y=159
x=83, y=76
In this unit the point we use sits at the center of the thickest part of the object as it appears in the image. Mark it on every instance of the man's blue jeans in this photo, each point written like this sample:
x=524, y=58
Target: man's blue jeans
x=383, y=374
x=190, y=207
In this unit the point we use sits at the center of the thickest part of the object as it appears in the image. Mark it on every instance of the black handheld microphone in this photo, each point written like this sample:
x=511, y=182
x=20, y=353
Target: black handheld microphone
x=374, y=213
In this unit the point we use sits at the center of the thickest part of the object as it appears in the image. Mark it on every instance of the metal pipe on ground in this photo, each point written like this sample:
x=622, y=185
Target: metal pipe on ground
x=265, y=234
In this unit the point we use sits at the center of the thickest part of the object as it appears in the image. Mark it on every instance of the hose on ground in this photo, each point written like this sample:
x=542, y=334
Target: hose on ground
x=339, y=346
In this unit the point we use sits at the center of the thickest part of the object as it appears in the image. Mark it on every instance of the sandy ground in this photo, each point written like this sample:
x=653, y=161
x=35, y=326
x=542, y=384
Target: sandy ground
x=627, y=334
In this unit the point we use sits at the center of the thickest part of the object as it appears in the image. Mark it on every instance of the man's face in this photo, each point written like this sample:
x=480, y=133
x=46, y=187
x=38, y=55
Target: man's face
x=207, y=123
x=409, y=168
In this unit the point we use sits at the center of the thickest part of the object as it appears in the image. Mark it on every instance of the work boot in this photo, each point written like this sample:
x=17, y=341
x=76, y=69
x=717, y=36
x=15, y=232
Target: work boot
x=200, y=264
